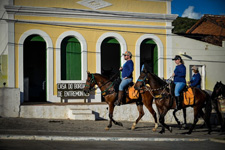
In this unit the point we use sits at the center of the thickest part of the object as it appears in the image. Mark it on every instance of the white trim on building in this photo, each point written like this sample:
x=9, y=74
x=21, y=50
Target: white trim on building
x=83, y=44
x=123, y=49
x=160, y=53
x=95, y=14
x=49, y=62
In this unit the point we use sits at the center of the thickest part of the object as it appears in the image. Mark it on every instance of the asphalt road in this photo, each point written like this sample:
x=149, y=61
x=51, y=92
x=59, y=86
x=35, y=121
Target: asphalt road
x=107, y=145
x=21, y=133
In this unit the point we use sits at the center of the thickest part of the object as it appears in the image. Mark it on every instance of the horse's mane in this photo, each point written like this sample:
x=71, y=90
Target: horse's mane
x=158, y=80
x=103, y=76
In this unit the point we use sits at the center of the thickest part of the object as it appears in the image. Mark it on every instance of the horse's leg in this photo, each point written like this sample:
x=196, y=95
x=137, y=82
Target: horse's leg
x=141, y=114
x=152, y=111
x=111, y=109
x=219, y=114
x=185, y=118
x=206, y=119
x=177, y=120
x=162, y=121
x=196, y=110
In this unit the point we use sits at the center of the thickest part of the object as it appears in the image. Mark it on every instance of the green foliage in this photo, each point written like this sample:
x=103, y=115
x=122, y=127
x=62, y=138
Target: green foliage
x=181, y=25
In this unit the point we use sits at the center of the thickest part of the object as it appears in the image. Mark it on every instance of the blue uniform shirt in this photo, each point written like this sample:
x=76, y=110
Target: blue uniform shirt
x=180, y=73
x=196, y=80
x=128, y=68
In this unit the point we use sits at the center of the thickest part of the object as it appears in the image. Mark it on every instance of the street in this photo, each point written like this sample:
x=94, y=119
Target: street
x=103, y=145
x=22, y=133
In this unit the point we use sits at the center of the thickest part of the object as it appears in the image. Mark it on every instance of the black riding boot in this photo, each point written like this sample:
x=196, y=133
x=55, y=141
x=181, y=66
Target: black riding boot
x=178, y=102
x=120, y=97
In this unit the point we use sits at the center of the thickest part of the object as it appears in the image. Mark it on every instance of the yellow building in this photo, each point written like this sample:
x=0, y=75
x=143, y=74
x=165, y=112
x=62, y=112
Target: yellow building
x=57, y=41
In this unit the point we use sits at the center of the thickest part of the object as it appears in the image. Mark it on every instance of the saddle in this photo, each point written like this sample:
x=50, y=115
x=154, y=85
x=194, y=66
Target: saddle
x=186, y=94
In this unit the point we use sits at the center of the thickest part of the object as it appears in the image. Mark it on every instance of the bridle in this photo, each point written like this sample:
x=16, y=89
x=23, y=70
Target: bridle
x=151, y=89
x=93, y=81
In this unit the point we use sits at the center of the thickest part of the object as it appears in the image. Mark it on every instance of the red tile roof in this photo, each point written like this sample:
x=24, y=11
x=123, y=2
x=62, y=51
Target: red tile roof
x=212, y=26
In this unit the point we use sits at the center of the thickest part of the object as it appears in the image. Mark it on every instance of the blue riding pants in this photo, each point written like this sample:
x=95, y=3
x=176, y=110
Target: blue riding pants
x=179, y=86
x=124, y=83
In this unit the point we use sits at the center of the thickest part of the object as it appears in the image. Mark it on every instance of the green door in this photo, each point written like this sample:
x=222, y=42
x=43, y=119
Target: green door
x=70, y=59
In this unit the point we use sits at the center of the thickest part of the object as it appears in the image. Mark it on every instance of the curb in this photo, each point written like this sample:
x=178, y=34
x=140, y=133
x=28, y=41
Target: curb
x=77, y=138
x=217, y=140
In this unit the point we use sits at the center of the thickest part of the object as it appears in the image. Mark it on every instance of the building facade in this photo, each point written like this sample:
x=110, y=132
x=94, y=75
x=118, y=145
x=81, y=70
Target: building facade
x=51, y=42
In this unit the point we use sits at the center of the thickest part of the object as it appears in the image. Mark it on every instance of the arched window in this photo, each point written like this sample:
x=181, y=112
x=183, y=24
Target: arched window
x=110, y=57
x=34, y=64
x=149, y=55
x=70, y=59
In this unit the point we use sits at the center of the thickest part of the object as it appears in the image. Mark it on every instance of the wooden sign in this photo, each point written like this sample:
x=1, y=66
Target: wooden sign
x=71, y=90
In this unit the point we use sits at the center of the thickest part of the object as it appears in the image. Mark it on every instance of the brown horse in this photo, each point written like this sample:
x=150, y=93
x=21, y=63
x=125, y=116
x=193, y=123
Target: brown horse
x=108, y=89
x=218, y=90
x=167, y=100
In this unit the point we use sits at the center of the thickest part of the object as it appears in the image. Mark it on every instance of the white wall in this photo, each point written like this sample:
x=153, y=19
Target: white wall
x=213, y=57
x=9, y=102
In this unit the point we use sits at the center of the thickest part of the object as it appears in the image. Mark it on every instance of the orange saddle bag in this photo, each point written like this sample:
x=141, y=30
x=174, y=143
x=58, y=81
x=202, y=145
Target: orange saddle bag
x=133, y=94
x=189, y=97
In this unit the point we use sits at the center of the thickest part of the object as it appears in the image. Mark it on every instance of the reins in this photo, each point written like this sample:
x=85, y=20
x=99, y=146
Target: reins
x=94, y=81
x=151, y=90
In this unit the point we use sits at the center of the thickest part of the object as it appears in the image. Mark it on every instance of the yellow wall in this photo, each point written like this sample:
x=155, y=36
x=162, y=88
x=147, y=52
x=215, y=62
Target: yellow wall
x=117, y=5
x=91, y=37
x=90, y=33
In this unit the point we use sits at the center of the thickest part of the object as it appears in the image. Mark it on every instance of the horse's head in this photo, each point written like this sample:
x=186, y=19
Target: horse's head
x=90, y=83
x=142, y=80
x=218, y=90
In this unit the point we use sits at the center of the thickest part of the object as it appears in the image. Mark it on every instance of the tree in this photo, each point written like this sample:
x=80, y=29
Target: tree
x=181, y=25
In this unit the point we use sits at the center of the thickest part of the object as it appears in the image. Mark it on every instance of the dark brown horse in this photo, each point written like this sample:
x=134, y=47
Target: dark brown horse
x=108, y=89
x=218, y=90
x=167, y=100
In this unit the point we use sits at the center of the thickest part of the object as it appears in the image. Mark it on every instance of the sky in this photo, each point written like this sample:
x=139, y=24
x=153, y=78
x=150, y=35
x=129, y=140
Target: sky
x=195, y=9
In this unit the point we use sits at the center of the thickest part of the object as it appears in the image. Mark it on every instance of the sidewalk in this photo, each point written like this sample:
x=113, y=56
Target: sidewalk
x=71, y=130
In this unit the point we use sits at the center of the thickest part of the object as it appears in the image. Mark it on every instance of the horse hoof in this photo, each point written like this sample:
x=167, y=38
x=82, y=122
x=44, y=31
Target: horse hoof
x=154, y=129
x=133, y=128
x=120, y=124
x=161, y=132
x=170, y=129
x=107, y=128
x=186, y=133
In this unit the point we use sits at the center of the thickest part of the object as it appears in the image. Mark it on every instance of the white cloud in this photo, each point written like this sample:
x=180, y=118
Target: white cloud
x=189, y=12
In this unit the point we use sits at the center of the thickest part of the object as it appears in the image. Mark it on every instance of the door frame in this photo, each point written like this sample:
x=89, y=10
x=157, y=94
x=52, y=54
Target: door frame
x=160, y=53
x=49, y=62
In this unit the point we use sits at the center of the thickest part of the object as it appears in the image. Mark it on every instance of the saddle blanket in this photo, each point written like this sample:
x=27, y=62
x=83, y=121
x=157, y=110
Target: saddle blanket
x=133, y=94
x=189, y=97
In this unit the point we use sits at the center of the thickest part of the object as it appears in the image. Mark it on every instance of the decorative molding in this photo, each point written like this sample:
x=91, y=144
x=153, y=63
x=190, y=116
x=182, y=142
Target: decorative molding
x=94, y=4
x=160, y=53
x=91, y=24
x=93, y=14
x=83, y=44
x=49, y=61
x=123, y=47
